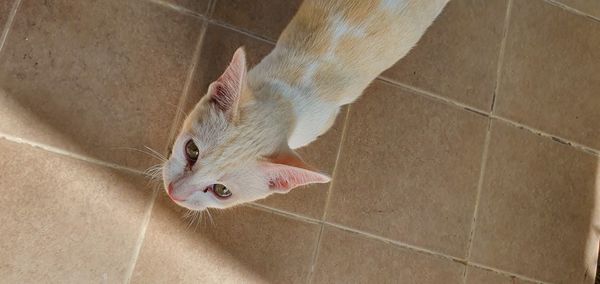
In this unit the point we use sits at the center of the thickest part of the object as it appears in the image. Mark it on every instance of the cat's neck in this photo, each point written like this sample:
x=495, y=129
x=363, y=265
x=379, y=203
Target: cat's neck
x=293, y=78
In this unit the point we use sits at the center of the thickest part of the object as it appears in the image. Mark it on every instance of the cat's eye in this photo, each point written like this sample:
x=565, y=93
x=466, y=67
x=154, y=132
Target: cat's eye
x=191, y=152
x=221, y=190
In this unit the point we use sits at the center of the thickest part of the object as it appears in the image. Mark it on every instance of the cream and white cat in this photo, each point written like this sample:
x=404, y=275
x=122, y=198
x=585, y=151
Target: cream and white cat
x=237, y=144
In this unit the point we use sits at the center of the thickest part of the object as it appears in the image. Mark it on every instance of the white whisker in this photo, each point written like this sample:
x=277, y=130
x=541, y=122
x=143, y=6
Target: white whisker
x=156, y=153
x=210, y=217
x=152, y=154
x=154, y=173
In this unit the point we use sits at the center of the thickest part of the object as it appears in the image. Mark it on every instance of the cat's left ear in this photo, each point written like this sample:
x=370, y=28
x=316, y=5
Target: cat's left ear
x=225, y=92
x=287, y=170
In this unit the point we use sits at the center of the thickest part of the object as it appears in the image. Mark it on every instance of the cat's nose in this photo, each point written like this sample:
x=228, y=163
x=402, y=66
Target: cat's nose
x=171, y=195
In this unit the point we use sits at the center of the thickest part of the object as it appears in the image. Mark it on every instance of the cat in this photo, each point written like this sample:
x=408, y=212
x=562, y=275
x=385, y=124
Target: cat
x=237, y=145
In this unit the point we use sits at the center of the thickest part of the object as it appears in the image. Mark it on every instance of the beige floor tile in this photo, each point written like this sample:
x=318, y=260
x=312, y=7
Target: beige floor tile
x=590, y=7
x=263, y=17
x=550, y=75
x=481, y=276
x=244, y=245
x=199, y=6
x=457, y=57
x=537, y=207
x=346, y=257
x=64, y=220
x=95, y=76
x=409, y=169
x=219, y=45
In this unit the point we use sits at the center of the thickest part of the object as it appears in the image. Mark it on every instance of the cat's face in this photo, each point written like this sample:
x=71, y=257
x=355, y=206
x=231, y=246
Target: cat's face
x=220, y=160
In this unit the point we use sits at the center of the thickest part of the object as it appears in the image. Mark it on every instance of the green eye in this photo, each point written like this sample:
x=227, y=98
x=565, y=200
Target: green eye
x=221, y=191
x=191, y=152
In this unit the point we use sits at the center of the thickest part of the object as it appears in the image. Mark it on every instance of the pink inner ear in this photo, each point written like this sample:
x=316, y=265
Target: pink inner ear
x=221, y=97
x=226, y=91
x=283, y=178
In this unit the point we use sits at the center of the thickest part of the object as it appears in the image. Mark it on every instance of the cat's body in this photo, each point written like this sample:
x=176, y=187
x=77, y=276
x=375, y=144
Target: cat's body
x=332, y=50
x=241, y=134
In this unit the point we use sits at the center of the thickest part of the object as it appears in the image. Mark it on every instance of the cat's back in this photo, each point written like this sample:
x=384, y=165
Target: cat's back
x=354, y=29
x=332, y=49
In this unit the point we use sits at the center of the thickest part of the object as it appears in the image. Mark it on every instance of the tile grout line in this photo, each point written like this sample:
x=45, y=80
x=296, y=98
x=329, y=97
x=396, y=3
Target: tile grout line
x=329, y=193
x=555, y=138
x=284, y=213
x=482, y=167
x=506, y=273
x=501, y=53
x=172, y=132
x=572, y=10
x=430, y=95
x=142, y=235
x=242, y=31
x=59, y=151
x=337, y=160
x=8, y=23
x=488, y=135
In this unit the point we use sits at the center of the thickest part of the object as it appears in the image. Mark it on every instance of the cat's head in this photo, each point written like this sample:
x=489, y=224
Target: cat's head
x=223, y=156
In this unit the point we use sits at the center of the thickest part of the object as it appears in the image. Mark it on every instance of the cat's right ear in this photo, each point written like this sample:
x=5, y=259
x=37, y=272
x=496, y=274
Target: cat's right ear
x=225, y=92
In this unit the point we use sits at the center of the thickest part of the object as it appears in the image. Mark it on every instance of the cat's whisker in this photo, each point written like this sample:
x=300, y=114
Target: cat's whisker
x=151, y=154
x=158, y=154
x=157, y=166
x=154, y=173
x=199, y=217
x=190, y=217
x=210, y=217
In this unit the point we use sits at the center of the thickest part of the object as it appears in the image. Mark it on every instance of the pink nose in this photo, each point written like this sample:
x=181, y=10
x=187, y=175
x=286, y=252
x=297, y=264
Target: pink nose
x=171, y=195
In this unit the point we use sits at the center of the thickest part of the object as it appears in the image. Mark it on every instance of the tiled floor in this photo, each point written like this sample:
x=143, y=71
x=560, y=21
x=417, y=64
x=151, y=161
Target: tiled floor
x=472, y=160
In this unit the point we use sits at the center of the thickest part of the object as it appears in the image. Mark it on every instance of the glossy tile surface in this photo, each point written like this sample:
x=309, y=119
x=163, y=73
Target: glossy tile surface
x=537, y=208
x=457, y=57
x=550, y=76
x=64, y=220
x=262, y=17
x=364, y=260
x=239, y=245
x=95, y=77
x=413, y=180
